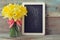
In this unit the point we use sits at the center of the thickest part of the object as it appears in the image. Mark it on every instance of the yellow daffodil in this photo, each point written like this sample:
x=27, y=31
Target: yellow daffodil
x=14, y=11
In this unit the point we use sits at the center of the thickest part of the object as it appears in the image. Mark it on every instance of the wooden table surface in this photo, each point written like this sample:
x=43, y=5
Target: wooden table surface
x=5, y=36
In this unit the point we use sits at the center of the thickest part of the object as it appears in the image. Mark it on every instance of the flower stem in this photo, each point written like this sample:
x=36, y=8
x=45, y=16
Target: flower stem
x=14, y=32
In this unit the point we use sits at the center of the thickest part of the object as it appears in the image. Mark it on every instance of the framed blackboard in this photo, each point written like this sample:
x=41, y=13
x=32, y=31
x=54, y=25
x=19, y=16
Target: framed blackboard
x=34, y=22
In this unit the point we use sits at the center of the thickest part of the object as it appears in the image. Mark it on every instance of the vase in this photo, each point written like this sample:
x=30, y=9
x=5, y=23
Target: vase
x=15, y=30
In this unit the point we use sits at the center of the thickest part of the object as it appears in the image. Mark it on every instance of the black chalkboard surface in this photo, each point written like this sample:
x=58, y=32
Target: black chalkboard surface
x=33, y=22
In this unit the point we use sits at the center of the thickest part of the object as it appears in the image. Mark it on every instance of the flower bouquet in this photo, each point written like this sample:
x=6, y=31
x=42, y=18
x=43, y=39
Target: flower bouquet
x=14, y=13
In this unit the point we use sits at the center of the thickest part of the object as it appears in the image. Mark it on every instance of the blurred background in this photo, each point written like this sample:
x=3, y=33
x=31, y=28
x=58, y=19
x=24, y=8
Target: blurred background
x=52, y=15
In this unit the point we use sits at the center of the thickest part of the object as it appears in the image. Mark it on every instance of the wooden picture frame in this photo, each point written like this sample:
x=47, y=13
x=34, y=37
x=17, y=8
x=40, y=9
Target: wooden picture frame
x=32, y=8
